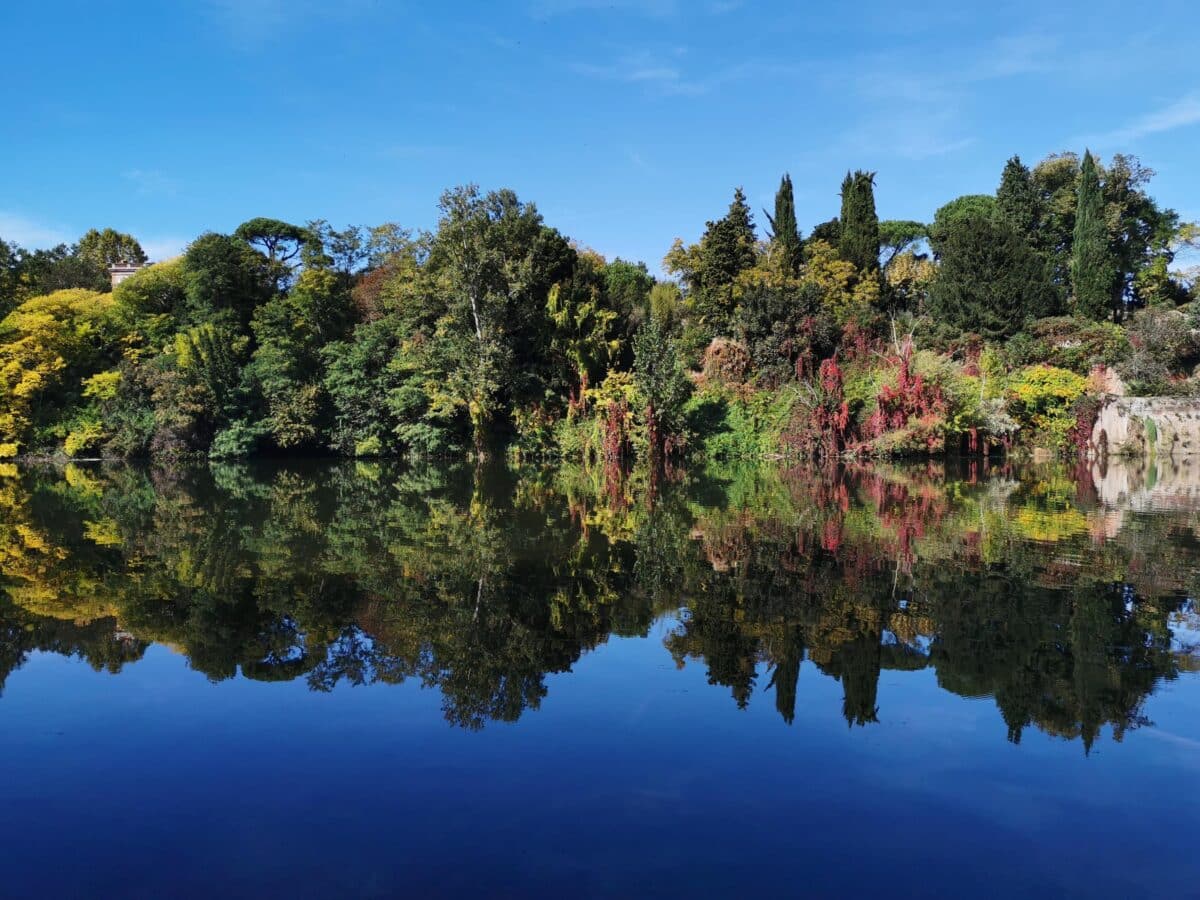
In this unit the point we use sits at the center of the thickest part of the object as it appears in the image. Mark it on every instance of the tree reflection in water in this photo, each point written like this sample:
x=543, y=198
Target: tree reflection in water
x=1056, y=592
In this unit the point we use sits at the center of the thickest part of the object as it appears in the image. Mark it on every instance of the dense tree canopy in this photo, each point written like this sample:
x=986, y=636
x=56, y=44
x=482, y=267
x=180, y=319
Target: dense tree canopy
x=497, y=333
x=990, y=281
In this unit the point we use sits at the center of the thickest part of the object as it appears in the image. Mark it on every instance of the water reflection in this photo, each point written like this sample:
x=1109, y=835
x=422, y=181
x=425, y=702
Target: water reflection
x=1062, y=594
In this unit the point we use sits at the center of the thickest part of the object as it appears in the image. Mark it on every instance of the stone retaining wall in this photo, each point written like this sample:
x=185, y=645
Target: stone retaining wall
x=1147, y=426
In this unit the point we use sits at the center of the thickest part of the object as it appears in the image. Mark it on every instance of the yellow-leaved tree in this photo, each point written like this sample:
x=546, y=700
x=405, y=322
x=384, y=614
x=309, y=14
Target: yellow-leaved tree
x=48, y=345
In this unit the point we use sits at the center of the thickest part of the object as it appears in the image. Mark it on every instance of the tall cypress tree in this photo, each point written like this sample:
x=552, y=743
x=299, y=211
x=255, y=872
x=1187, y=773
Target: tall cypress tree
x=785, y=232
x=1017, y=203
x=1093, y=267
x=859, y=242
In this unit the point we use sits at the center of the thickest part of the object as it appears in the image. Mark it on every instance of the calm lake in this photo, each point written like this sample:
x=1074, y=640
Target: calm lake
x=377, y=680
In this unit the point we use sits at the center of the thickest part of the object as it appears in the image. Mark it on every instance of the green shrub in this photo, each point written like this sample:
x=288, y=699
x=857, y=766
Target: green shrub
x=242, y=438
x=369, y=447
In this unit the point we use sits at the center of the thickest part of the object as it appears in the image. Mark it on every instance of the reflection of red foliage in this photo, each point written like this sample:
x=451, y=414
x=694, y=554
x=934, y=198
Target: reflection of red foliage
x=1087, y=408
x=616, y=451
x=831, y=536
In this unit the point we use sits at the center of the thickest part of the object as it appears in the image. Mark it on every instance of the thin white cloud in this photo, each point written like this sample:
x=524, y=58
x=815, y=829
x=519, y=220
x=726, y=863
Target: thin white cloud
x=32, y=235
x=251, y=23
x=1021, y=54
x=920, y=112
x=656, y=9
x=1183, y=113
x=664, y=73
x=151, y=182
x=652, y=9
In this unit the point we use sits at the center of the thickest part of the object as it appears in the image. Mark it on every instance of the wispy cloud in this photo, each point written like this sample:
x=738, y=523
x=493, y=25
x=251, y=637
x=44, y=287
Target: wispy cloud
x=1020, y=54
x=665, y=72
x=151, y=182
x=657, y=9
x=251, y=23
x=922, y=111
x=652, y=9
x=25, y=232
x=638, y=160
x=1183, y=113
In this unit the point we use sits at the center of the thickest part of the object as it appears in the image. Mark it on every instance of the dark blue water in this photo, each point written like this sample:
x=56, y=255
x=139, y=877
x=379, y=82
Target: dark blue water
x=365, y=682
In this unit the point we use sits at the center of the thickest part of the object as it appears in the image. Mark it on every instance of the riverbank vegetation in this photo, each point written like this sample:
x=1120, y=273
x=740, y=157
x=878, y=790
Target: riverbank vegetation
x=995, y=324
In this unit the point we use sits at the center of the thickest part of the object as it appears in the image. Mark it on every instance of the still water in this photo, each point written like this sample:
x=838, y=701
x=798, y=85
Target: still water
x=373, y=680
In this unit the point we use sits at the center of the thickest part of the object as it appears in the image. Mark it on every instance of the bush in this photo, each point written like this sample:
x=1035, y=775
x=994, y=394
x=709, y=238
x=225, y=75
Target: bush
x=84, y=435
x=726, y=362
x=1077, y=344
x=241, y=438
x=1042, y=399
x=370, y=447
x=741, y=426
x=1165, y=348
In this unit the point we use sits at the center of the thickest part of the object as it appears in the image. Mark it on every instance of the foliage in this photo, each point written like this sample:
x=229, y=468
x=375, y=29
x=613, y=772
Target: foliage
x=859, y=239
x=1042, y=399
x=1017, y=203
x=1093, y=269
x=496, y=332
x=844, y=295
x=1066, y=342
x=965, y=211
x=1165, y=349
x=990, y=281
x=785, y=233
x=662, y=387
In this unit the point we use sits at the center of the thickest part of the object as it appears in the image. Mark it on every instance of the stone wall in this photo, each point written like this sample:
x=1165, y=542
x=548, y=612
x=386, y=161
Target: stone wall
x=1147, y=426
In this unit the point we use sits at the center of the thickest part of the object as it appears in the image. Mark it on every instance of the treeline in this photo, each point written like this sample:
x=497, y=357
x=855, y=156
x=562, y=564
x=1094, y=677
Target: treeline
x=997, y=321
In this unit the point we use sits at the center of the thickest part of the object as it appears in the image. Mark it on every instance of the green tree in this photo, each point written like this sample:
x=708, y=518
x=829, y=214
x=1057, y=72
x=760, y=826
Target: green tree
x=281, y=242
x=1056, y=180
x=151, y=302
x=785, y=233
x=663, y=386
x=990, y=281
x=898, y=235
x=225, y=278
x=1141, y=233
x=109, y=247
x=1017, y=203
x=726, y=250
x=10, y=277
x=1094, y=275
x=499, y=262
x=710, y=268
x=858, y=241
x=950, y=215
x=287, y=365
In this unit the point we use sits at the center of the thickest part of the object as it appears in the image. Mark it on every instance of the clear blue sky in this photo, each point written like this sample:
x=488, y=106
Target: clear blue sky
x=628, y=122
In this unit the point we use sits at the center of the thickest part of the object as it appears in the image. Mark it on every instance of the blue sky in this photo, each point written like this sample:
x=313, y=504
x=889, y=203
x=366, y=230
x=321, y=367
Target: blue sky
x=628, y=122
